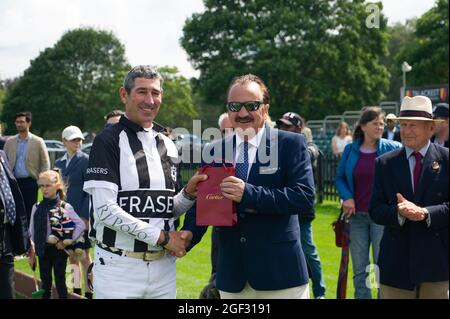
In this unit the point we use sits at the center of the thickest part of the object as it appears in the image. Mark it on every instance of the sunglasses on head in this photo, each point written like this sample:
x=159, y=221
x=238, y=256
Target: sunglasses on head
x=250, y=106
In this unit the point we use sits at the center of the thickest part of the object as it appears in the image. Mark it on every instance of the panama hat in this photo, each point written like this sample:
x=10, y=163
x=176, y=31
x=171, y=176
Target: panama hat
x=391, y=116
x=417, y=108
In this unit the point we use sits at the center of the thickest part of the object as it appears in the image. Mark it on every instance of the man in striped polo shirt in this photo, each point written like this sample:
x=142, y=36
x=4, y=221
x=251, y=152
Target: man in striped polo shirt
x=131, y=179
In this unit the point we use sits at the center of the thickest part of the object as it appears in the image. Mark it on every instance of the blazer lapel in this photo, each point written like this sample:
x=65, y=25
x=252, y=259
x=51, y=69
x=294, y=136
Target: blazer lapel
x=72, y=162
x=404, y=176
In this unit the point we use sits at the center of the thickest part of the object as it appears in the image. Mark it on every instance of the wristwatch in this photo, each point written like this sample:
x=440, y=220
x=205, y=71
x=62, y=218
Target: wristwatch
x=166, y=238
x=187, y=195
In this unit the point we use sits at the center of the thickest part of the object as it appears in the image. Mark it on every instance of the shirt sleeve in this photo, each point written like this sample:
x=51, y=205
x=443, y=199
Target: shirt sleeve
x=103, y=168
x=401, y=220
x=108, y=212
x=79, y=224
x=181, y=204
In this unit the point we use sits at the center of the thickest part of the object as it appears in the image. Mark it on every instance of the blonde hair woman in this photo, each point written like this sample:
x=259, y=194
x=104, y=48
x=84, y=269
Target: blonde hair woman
x=341, y=138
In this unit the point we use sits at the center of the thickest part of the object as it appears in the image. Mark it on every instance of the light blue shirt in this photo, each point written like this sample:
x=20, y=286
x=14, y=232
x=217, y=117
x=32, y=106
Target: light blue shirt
x=20, y=168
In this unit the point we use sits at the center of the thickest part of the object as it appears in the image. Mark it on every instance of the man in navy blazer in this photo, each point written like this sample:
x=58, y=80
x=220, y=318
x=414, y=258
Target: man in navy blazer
x=261, y=256
x=13, y=238
x=410, y=198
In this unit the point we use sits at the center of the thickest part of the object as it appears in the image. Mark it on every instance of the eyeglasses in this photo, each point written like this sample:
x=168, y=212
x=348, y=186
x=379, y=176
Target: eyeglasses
x=250, y=106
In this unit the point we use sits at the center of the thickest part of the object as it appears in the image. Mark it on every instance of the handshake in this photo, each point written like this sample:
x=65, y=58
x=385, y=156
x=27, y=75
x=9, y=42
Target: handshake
x=178, y=242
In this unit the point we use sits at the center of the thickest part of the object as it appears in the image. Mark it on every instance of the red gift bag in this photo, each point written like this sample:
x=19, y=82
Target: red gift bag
x=213, y=209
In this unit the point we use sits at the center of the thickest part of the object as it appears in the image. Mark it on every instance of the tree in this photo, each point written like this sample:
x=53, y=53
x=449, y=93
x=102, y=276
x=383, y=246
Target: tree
x=400, y=35
x=73, y=83
x=177, y=108
x=428, y=53
x=317, y=57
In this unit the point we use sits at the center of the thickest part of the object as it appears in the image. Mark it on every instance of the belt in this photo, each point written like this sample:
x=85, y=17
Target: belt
x=145, y=256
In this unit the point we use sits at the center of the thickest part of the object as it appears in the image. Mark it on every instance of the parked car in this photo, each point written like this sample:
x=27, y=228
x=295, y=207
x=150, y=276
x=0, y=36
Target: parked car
x=54, y=145
x=55, y=149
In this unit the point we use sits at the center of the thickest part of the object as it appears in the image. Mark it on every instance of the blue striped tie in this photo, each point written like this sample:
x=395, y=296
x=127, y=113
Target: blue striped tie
x=242, y=162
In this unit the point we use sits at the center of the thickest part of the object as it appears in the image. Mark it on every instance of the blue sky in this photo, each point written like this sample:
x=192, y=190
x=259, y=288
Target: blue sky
x=149, y=29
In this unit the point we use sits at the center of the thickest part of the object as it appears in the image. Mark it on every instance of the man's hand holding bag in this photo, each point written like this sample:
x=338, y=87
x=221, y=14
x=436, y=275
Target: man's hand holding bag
x=213, y=209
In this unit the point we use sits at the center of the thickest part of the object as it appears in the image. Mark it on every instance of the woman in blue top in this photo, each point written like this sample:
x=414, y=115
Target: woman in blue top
x=73, y=167
x=354, y=182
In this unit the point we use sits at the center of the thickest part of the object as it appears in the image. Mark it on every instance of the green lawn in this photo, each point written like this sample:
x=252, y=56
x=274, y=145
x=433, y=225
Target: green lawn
x=193, y=270
x=197, y=263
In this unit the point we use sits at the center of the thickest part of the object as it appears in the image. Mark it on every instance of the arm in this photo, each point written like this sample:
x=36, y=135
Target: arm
x=340, y=181
x=297, y=192
x=44, y=162
x=181, y=204
x=79, y=224
x=438, y=216
x=184, y=200
x=108, y=212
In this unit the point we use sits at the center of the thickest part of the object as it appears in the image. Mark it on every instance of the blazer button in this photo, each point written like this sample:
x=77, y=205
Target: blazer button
x=243, y=240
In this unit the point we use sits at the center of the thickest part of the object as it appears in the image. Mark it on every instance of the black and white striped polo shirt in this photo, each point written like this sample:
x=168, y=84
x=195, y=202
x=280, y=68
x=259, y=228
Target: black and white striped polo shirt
x=140, y=166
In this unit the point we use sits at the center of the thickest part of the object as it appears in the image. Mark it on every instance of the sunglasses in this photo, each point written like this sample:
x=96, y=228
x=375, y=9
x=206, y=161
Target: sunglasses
x=250, y=106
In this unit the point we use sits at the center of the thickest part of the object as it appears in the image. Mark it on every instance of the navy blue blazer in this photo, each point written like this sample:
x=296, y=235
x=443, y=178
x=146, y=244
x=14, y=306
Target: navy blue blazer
x=19, y=240
x=264, y=247
x=412, y=253
x=74, y=176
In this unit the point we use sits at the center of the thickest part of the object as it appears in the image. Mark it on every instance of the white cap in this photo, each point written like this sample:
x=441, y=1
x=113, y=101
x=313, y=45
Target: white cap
x=71, y=133
x=391, y=116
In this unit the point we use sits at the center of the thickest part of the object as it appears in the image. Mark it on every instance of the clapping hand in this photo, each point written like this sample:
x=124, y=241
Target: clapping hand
x=409, y=210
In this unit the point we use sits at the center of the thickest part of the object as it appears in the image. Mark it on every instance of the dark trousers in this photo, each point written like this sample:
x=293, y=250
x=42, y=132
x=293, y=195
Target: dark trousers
x=55, y=260
x=7, y=277
x=29, y=189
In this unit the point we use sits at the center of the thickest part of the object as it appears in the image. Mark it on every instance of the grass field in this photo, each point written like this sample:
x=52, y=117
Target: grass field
x=193, y=270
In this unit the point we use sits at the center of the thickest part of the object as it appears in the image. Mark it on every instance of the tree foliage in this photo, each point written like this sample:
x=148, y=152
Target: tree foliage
x=177, y=107
x=317, y=57
x=73, y=83
x=428, y=53
x=400, y=35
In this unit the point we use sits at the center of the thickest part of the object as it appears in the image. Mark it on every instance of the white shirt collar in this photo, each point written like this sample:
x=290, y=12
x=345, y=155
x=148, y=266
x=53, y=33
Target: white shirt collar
x=254, y=141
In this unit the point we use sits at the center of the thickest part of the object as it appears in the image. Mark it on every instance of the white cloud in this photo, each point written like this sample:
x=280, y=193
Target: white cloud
x=149, y=29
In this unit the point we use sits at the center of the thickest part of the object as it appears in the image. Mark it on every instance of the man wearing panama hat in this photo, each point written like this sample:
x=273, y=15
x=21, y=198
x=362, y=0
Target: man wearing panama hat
x=391, y=132
x=410, y=198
